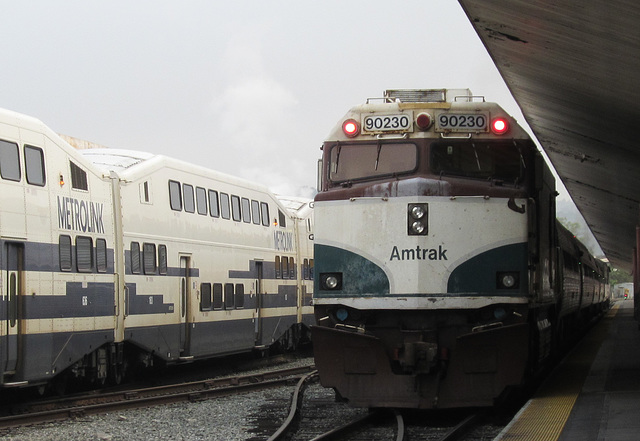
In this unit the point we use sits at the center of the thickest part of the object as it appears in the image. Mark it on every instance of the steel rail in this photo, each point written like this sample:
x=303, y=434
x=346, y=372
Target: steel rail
x=193, y=391
x=462, y=428
x=347, y=427
x=400, y=422
x=296, y=404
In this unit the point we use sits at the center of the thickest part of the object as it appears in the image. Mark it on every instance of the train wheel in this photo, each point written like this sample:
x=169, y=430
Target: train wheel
x=60, y=383
x=41, y=390
x=118, y=373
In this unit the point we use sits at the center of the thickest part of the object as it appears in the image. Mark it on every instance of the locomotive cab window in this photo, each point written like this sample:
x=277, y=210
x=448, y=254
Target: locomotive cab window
x=78, y=177
x=282, y=219
x=9, y=161
x=478, y=160
x=175, y=196
x=351, y=162
x=34, y=165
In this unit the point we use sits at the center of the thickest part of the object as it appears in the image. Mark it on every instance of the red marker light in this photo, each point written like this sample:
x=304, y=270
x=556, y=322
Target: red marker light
x=423, y=121
x=499, y=126
x=350, y=128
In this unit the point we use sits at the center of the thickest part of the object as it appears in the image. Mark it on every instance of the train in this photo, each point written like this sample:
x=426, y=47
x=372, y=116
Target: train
x=115, y=259
x=443, y=278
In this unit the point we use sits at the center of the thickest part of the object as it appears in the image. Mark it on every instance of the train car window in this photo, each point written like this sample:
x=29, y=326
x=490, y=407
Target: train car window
x=305, y=269
x=64, y=250
x=353, y=162
x=246, y=210
x=239, y=296
x=264, y=210
x=135, y=257
x=478, y=160
x=284, y=267
x=9, y=161
x=145, y=193
x=255, y=212
x=84, y=254
x=78, y=177
x=205, y=297
x=12, y=299
x=292, y=268
x=225, y=209
x=175, y=196
x=149, y=258
x=282, y=219
x=189, y=202
x=162, y=259
x=235, y=208
x=201, y=200
x=34, y=164
x=214, y=209
x=228, y=296
x=101, y=255
x=310, y=269
x=278, y=269
x=217, y=296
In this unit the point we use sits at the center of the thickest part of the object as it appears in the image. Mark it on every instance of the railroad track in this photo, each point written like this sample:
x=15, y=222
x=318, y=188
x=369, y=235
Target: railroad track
x=88, y=404
x=378, y=424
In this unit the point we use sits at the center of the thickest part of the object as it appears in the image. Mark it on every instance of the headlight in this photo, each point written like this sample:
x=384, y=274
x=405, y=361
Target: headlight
x=418, y=219
x=508, y=280
x=417, y=227
x=499, y=313
x=330, y=281
x=342, y=314
x=418, y=211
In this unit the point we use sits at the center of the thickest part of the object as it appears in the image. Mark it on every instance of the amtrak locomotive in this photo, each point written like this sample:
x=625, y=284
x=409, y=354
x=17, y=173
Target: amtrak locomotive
x=442, y=277
x=111, y=259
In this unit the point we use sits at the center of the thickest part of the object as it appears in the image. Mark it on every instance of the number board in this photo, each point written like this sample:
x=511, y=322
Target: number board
x=462, y=122
x=388, y=123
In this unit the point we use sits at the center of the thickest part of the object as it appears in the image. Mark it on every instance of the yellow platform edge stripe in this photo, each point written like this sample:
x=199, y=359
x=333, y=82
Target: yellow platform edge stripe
x=544, y=416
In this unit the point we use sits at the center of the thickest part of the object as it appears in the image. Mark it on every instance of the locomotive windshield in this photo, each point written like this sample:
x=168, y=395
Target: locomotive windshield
x=478, y=160
x=350, y=162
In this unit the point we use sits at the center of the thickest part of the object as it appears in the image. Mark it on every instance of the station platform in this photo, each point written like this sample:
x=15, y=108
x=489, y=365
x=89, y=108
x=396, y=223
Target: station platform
x=594, y=394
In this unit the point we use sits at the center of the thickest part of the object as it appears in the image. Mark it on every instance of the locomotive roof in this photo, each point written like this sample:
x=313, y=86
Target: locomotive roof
x=132, y=163
x=115, y=159
x=296, y=205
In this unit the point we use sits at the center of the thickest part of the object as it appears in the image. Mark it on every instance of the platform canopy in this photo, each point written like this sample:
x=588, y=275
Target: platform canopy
x=574, y=69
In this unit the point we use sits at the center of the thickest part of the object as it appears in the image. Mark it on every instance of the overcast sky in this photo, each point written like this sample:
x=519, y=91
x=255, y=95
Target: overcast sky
x=249, y=88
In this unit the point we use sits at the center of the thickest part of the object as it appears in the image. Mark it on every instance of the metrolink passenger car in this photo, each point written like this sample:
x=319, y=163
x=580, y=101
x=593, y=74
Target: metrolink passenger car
x=114, y=258
x=442, y=276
